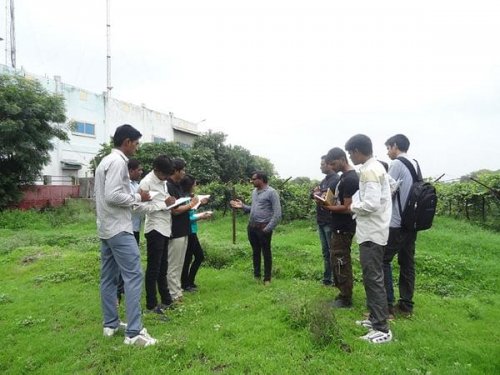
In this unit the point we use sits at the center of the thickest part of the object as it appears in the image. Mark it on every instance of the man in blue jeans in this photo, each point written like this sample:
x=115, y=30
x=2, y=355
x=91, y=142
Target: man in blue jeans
x=324, y=217
x=119, y=250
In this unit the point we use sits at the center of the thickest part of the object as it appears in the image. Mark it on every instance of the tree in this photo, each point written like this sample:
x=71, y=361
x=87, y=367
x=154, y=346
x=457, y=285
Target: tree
x=28, y=122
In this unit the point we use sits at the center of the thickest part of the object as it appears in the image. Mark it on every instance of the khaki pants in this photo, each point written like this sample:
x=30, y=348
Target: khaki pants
x=176, y=254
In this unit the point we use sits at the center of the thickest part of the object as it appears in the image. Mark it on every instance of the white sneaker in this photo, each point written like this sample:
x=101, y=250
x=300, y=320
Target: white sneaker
x=109, y=331
x=365, y=323
x=142, y=339
x=377, y=337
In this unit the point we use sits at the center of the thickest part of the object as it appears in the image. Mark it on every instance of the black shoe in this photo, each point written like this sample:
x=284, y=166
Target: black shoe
x=158, y=313
x=166, y=306
x=403, y=311
x=190, y=289
x=341, y=304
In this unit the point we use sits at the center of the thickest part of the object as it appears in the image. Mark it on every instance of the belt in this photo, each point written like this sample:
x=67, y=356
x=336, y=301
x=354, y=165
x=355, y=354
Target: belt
x=258, y=225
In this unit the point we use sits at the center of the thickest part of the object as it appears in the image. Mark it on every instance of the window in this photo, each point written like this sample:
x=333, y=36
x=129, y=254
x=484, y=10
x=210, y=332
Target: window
x=158, y=140
x=84, y=128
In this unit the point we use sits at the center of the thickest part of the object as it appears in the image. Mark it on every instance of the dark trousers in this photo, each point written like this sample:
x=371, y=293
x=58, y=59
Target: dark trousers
x=401, y=243
x=371, y=256
x=156, y=269
x=341, y=263
x=121, y=285
x=325, y=235
x=189, y=269
x=261, y=244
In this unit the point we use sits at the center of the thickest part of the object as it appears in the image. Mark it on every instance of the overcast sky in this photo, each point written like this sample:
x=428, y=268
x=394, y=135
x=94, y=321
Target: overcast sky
x=289, y=80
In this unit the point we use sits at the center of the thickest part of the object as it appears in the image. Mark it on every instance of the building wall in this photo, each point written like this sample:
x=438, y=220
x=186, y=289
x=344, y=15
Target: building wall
x=106, y=115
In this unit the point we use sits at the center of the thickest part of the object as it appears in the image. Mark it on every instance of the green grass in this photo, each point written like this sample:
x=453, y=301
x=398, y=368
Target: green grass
x=51, y=320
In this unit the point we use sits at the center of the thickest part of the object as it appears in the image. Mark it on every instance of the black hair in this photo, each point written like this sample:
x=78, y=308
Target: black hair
x=187, y=183
x=335, y=153
x=133, y=164
x=360, y=142
x=261, y=175
x=124, y=132
x=178, y=164
x=399, y=140
x=163, y=164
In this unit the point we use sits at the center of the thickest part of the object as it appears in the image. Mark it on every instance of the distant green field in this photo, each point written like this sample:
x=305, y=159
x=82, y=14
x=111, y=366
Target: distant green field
x=51, y=319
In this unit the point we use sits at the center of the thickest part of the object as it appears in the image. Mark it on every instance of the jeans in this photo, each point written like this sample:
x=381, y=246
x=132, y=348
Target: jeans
x=401, y=243
x=120, y=254
x=121, y=288
x=342, y=265
x=371, y=256
x=156, y=269
x=189, y=269
x=176, y=255
x=325, y=235
x=261, y=244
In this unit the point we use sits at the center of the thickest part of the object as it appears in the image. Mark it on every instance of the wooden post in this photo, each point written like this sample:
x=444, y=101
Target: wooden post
x=233, y=194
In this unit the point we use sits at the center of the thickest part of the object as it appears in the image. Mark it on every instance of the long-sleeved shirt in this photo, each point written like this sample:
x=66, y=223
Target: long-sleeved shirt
x=157, y=216
x=399, y=172
x=136, y=217
x=372, y=204
x=265, y=208
x=113, y=195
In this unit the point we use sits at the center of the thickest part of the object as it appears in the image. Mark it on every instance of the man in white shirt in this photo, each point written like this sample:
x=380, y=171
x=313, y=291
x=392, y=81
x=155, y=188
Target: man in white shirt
x=158, y=229
x=372, y=206
x=119, y=250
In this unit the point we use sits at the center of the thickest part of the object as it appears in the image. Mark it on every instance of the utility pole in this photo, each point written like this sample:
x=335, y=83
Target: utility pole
x=108, y=57
x=6, y=31
x=12, y=36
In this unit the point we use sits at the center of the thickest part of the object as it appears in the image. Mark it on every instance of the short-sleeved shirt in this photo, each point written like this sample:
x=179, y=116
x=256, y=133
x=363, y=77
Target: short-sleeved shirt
x=323, y=216
x=347, y=186
x=181, y=225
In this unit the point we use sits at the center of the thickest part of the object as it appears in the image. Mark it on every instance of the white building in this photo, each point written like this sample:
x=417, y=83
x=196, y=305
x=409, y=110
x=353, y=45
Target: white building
x=96, y=117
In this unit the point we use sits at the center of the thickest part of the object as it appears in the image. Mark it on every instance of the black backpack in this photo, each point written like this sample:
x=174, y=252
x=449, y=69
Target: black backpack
x=420, y=208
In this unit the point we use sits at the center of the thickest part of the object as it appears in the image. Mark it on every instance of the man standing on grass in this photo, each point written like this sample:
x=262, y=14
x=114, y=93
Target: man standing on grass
x=181, y=226
x=401, y=242
x=372, y=206
x=344, y=226
x=157, y=229
x=265, y=213
x=324, y=217
x=119, y=250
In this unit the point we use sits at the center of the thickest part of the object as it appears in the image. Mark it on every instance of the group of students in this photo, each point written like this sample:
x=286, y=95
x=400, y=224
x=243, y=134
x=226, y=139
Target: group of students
x=369, y=206
x=362, y=206
x=170, y=230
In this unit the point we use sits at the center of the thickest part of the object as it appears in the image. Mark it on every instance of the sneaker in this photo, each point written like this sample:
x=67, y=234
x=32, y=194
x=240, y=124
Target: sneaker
x=367, y=323
x=267, y=282
x=142, y=339
x=166, y=306
x=110, y=331
x=377, y=337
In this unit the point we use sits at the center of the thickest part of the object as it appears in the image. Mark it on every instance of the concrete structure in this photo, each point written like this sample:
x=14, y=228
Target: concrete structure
x=95, y=118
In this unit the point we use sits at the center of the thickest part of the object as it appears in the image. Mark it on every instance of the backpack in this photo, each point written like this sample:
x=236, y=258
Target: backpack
x=420, y=208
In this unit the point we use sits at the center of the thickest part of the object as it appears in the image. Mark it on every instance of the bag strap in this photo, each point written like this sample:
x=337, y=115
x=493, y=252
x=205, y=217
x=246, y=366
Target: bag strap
x=416, y=175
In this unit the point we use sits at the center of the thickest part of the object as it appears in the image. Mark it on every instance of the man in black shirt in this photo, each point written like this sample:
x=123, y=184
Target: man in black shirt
x=180, y=230
x=344, y=226
x=324, y=217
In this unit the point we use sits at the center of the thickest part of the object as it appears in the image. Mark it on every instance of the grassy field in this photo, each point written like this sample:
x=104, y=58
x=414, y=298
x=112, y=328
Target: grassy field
x=50, y=315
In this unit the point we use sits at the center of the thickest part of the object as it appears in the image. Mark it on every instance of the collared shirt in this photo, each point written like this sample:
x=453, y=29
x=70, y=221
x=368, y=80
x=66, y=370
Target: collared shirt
x=157, y=217
x=372, y=204
x=265, y=208
x=399, y=172
x=113, y=195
